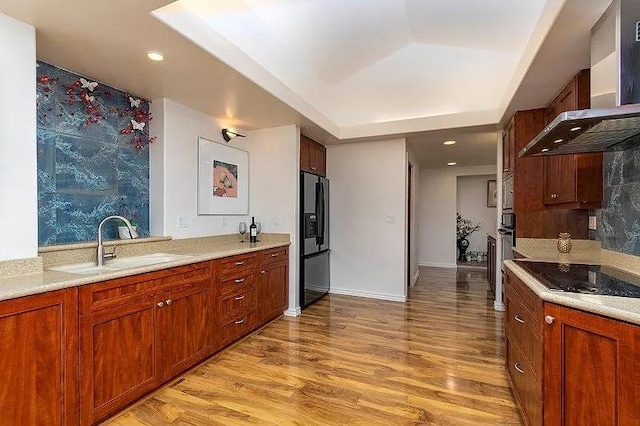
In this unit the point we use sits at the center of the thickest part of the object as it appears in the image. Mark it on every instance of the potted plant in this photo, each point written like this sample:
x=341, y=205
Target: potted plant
x=123, y=231
x=464, y=228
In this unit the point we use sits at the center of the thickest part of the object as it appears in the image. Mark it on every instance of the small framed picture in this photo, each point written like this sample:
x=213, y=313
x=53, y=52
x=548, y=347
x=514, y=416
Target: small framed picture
x=223, y=179
x=492, y=193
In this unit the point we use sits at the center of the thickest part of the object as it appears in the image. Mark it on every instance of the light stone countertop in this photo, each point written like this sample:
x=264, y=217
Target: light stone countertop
x=588, y=256
x=50, y=280
x=621, y=308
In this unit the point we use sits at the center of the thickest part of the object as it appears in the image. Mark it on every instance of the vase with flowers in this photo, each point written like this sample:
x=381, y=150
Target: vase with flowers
x=464, y=228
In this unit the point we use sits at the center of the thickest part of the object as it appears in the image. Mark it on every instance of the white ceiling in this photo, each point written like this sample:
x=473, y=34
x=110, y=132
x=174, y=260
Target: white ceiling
x=366, y=62
x=386, y=43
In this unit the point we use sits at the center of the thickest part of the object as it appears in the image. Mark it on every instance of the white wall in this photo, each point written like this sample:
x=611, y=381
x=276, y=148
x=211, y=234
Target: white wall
x=273, y=179
x=437, y=213
x=18, y=151
x=368, y=188
x=472, y=204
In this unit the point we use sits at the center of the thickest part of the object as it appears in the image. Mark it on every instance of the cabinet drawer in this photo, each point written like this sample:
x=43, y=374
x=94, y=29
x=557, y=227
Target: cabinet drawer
x=237, y=304
x=524, y=329
x=237, y=327
x=96, y=297
x=275, y=255
x=528, y=297
x=238, y=283
x=238, y=266
x=526, y=387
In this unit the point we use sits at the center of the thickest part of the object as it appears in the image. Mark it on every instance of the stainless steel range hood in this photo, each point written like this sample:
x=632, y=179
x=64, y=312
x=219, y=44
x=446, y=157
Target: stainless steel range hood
x=588, y=130
x=615, y=67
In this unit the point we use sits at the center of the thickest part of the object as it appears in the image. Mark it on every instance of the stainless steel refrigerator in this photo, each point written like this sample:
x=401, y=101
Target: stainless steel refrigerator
x=314, y=236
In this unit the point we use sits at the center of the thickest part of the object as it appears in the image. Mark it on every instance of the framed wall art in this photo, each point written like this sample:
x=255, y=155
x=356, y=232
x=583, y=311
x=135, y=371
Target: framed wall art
x=223, y=179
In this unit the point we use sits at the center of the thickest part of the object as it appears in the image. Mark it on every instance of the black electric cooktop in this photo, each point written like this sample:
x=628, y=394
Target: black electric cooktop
x=580, y=278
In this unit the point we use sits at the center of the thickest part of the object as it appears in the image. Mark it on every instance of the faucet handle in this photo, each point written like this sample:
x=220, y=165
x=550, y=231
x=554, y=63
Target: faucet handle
x=111, y=255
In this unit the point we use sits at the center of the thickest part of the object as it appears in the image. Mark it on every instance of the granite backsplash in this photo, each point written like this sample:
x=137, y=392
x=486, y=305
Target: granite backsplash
x=619, y=217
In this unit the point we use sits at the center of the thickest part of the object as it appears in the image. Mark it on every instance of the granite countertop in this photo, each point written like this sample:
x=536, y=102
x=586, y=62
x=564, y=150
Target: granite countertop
x=621, y=308
x=50, y=280
x=588, y=256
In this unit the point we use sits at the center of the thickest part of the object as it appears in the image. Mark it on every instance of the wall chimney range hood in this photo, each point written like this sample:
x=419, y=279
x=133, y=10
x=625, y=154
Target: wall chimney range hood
x=615, y=91
x=588, y=130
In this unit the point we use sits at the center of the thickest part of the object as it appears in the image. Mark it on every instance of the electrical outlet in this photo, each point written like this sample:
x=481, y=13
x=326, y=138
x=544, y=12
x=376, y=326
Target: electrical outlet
x=592, y=223
x=182, y=222
x=223, y=222
x=390, y=218
x=277, y=221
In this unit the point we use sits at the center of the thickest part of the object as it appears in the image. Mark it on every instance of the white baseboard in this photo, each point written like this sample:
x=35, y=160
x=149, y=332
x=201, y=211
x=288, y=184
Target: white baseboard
x=439, y=265
x=498, y=306
x=293, y=312
x=368, y=294
x=414, y=280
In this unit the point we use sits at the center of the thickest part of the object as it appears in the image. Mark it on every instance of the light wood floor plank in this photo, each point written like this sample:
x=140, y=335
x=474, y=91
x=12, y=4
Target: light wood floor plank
x=437, y=359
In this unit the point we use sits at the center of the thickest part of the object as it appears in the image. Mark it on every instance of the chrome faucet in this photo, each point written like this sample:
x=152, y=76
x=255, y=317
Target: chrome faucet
x=102, y=256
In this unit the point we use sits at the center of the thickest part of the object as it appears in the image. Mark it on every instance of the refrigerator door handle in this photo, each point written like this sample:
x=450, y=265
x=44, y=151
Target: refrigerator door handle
x=320, y=212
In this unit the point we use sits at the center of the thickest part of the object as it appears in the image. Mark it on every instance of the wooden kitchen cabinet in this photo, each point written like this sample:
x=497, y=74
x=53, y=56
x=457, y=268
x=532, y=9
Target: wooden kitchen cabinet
x=313, y=156
x=590, y=369
x=137, y=332
x=572, y=181
x=491, y=263
x=273, y=284
x=568, y=367
x=186, y=335
x=39, y=359
x=509, y=148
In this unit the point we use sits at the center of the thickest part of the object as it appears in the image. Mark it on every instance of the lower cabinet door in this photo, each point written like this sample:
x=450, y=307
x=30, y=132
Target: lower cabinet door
x=118, y=353
x=185, y=329
x=272, y=291
x=589, y=369
x=39, y=359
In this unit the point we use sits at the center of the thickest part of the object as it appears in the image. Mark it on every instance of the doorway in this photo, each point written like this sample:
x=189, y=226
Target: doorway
x=409, y=216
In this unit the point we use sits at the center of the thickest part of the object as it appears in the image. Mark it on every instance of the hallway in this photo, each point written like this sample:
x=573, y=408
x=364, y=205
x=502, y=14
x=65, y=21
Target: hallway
x=435, y=360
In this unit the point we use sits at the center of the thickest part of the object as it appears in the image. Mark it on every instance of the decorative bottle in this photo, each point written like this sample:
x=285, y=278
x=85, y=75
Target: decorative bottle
x=564, y=242
x=253, y=231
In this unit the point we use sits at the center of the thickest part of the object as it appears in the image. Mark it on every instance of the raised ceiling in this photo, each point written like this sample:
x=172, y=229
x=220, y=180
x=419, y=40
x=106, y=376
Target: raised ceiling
x=366, y=62
x=108, y=40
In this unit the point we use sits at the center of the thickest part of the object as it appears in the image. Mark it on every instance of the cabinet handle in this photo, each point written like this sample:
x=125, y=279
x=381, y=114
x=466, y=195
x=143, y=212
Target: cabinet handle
x=275, y=255
x=240, y=280
x=239, y=297
x=263, y=272
x=240, y=321
x=160, y=304
x=517, y=366
x=549, y=319
x=169, y=302
x=505, y=170
x=519, y=319
x=239, y=263
x=313, y=168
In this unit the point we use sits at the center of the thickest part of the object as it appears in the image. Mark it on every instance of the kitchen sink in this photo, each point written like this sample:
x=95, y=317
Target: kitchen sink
x=120, y=264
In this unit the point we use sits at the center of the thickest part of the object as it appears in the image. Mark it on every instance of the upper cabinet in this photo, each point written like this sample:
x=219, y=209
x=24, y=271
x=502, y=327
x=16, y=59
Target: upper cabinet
x=572, y=181
x=508, y=148
x=313, y=156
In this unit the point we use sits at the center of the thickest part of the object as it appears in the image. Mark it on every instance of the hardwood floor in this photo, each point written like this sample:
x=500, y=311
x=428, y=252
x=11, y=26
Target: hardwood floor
x=438, y=359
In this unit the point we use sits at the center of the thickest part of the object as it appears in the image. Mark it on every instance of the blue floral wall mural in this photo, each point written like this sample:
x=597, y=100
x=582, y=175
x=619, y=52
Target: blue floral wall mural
x=93, y=157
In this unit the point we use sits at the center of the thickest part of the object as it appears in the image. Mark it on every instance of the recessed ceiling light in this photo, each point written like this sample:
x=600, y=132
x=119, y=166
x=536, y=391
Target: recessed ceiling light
x=155, y=56
x=545, y=150
x=452, y=164
x=575, y=129
x=449, y=142
x=557, y=141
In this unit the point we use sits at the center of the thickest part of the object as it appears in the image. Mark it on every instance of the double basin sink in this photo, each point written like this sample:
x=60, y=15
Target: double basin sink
x=120, y=264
